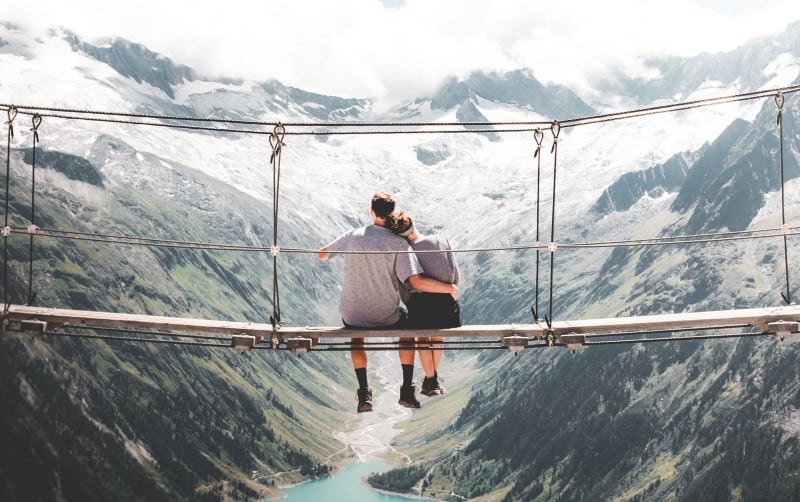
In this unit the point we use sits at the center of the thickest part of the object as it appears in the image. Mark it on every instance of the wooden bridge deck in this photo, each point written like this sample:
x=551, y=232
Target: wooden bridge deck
x=780, y=320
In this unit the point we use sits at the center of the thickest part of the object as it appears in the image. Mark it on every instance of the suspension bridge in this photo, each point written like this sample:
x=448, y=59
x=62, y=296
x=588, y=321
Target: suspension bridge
x=776, y=321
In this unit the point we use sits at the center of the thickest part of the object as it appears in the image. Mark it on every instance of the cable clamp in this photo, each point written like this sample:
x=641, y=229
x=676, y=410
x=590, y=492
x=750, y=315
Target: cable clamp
x=275, y=250
x=4, y=321
x=5, y=231
x=784, y=229
x=552, y=247
x=275, y=339
x=32, y=229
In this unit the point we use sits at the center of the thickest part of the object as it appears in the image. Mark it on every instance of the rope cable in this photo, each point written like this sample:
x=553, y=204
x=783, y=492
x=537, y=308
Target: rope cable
x=666, y=330
x=555, y=129
x=676, y=339
x=12, y=114
x=276, y=142
x=134, y=339
x=538, y=136
x=779, y=102
x=151, y=333
x=706, y=238
x=36, y=120
x=390, y=128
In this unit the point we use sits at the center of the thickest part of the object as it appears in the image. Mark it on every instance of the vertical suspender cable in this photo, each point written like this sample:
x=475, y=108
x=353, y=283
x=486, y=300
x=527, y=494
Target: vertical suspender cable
x=36, y=120
x=787, y=296
x=276, y=142
x=538, y=135
x=12, y=113
x=555, y=128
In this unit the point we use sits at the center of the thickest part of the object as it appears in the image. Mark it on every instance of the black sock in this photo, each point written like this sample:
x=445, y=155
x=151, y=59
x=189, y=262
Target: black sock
x=436, y=376
x=408, y=374
x=361, y=375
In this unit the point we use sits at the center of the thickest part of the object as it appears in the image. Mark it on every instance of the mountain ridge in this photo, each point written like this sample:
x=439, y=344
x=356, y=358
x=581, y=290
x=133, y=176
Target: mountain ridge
x=562, y=438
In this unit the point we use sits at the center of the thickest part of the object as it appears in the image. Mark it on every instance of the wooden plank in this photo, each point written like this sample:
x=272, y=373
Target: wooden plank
x=758, y=317
x=80, y=318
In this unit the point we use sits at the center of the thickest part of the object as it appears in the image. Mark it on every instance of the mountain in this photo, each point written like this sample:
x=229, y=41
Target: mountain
x=518, y=88
x=100, y=419
x=683, y=420
x=89, y=419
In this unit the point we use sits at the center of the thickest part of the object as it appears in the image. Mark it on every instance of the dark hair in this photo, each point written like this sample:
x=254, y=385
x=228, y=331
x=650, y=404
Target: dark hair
x=382, y=204
x=398, y=222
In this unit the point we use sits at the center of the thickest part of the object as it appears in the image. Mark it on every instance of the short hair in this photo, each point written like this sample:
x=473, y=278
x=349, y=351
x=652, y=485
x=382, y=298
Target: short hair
x=382, y=204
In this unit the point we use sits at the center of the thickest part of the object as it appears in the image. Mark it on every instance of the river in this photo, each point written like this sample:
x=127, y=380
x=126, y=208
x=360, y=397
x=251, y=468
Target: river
x=369, y=437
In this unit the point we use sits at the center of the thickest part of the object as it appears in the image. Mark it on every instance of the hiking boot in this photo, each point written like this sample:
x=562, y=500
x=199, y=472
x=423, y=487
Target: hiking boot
x=364, y=397
x=431, y=387
x=407, y=397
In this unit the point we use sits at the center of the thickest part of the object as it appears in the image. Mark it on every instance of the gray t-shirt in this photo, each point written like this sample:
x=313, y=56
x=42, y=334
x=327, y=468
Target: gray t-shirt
x=439, y=266
x=371, y=291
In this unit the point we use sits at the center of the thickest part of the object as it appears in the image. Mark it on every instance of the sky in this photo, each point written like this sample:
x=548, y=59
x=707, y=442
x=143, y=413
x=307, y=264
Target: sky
x=393, y=50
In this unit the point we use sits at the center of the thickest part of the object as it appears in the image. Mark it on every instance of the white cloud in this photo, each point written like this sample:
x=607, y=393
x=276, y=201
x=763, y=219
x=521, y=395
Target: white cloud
x=365, y=48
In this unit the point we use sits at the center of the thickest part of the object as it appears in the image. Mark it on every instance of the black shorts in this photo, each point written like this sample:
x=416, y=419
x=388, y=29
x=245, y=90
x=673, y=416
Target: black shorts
x=400, y=324
x=433, y=310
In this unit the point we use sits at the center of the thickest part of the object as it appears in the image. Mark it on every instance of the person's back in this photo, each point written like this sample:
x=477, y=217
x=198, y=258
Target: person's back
x=438, y=265
x=377, y=262
x=371, y=291
x=430, y=309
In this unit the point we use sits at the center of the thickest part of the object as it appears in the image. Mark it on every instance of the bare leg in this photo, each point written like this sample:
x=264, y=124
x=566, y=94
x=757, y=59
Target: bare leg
x=427, y=357
x=436, y=353
x=406, y=354
x=357, y=353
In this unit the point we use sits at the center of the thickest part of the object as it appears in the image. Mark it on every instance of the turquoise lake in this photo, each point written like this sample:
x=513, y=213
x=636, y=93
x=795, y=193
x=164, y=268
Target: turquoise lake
x=348, y=485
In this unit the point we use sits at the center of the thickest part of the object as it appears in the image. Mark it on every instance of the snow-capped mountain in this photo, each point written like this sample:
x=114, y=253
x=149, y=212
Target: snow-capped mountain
x=700, y=170
x=490, y=179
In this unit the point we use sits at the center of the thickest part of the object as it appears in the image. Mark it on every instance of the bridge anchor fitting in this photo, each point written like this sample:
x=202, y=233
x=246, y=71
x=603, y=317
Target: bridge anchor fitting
x=243, y=342
x=782, y=329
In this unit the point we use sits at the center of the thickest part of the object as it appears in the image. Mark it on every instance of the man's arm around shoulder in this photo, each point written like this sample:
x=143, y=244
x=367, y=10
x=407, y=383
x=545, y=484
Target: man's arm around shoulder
x=430, y=285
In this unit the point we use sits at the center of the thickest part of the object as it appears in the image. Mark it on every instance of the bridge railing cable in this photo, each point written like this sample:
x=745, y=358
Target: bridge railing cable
x=276, y=141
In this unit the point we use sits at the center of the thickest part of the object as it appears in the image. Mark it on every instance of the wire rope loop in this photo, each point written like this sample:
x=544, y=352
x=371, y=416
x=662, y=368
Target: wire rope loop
x=276, y=141
x=12, y=114
x=36, y=120
x=555, y=128
x=538, y=136
x=779, y=104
